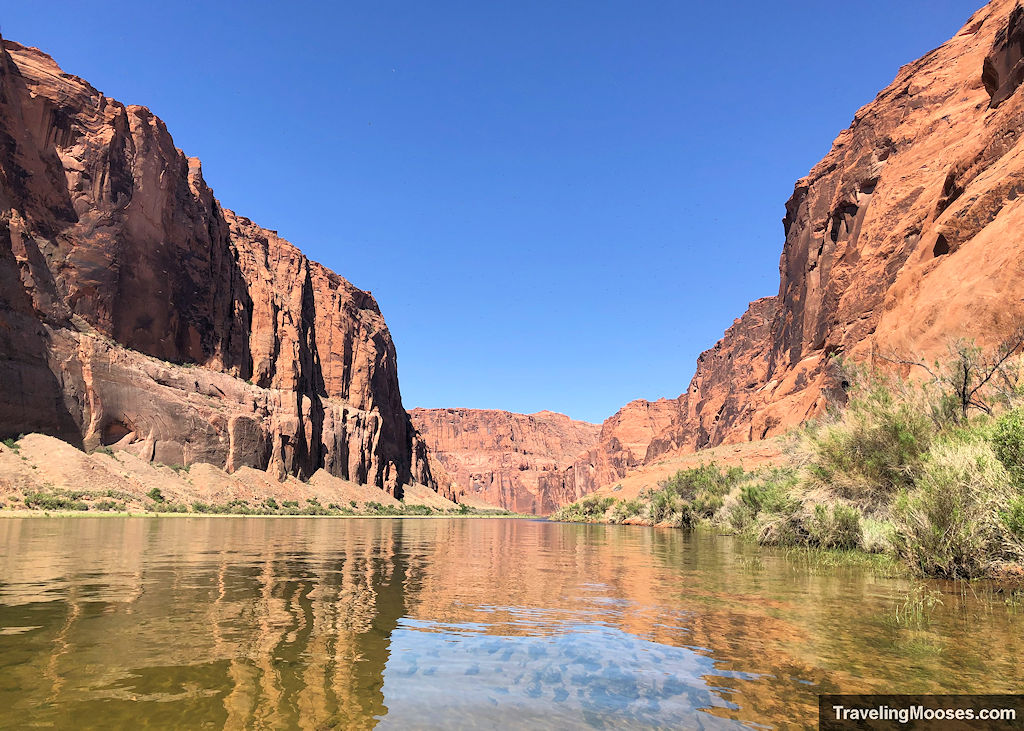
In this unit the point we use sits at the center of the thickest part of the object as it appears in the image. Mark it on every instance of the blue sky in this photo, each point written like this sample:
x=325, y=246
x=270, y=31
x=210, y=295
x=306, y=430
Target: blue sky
x=558, y=205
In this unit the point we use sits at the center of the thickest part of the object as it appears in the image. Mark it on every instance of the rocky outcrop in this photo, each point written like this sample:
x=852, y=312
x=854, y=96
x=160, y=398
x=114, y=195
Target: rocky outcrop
x=622, y=443
x=521, y=462
x=907, y=234
x=137, y=312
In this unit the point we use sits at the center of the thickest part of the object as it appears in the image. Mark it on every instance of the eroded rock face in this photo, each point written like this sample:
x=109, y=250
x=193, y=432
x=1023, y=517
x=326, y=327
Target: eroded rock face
x=906, y=235
x=521, y=462
x=136, y=311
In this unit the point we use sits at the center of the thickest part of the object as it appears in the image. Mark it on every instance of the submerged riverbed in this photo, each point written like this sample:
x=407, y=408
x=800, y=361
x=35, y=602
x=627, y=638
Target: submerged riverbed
x=323, y=623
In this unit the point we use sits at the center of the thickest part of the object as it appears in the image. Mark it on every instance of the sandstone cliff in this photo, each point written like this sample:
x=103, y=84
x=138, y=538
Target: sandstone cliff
x=907, y=234
x=137, y=312
x=522, y=462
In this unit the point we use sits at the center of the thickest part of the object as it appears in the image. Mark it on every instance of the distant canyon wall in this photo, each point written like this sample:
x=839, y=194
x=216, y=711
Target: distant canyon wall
x=521, y=462
x=137, y=312
x=906, y=235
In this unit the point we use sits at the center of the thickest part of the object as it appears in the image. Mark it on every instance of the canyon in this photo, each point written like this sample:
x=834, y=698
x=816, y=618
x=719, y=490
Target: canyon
x=139, y=314
x=521, y=462
x=903, y=238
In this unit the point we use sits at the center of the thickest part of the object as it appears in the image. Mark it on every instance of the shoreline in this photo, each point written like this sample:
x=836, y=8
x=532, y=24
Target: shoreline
x=11, y=514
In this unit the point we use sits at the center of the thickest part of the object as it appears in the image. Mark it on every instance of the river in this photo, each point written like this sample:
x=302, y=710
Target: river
x=315, y=623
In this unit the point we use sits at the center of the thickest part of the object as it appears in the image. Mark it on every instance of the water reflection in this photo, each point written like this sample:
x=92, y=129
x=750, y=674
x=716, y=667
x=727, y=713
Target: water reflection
x=270, y=623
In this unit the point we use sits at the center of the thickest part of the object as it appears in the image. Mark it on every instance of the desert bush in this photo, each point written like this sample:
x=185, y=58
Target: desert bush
x=169, y=508
x=835, y=526
x=1012, y=516
x=1008, y=442
x=770, y=492
x=47, y=501
x=876, y=535
x=761, y=494
x=661, y=505
x=201, y=507
x=950, y=524
x=737, y=514
x=110, y=506
x=587, y=510
x=155, y=495
x=873, y=450
x=418, y=510
x=782, y=529
x=625, y=509
x=707, y=480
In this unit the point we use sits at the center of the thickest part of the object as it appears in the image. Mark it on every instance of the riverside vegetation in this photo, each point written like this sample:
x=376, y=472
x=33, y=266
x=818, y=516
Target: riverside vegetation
x=115, y=501
x=928, y=471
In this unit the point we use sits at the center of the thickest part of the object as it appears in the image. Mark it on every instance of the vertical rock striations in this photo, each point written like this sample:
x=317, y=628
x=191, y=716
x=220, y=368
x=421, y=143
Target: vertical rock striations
x=136, y=311
x=522, y=462
x=906, y=234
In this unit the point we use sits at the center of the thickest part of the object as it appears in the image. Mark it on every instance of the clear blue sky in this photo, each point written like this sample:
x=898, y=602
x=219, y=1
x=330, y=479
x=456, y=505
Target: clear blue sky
x=558, y=205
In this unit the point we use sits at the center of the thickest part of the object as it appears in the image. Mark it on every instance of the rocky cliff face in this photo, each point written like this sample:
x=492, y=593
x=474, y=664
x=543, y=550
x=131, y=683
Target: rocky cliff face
x=522, y=462
x=136, y=311
x=907, y=234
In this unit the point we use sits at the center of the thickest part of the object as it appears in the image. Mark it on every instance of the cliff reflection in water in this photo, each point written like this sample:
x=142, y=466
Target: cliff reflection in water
x=238, y=623
x=259, y=623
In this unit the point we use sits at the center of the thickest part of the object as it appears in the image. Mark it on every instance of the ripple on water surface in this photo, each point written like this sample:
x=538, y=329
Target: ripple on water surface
x=314, y=623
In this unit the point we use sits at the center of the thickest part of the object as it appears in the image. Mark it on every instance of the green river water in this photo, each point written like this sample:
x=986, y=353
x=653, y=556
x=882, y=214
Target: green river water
x=458, y=623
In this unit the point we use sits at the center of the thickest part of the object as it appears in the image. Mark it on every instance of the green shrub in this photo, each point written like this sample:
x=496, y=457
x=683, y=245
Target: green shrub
x=950, y=525
x=155, y=495
x=169, y=508
x=1012, y=516
x=12, y=444
x=707, y=480
x=110, y=506
x=782, y=529
x=876, y=535
x=418, y=510
x=290, y=503
x=625, y=509
x=764, y=494
x=662, y=505
x=271, y=503
x=836, y=526
x=770, y=493
x=200, y=507
x=704, y=505
x=739, y=516
x=875, y=448
x=1008, y=442
x=587, y=510
x=46, y=501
